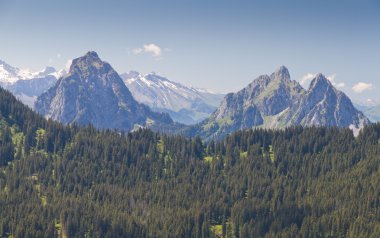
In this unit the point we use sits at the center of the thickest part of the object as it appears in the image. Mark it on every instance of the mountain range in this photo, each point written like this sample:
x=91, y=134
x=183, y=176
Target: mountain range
x=276, y=101
x=93, y=93
x=25, y=84
x=187, y=105
x=372, y=111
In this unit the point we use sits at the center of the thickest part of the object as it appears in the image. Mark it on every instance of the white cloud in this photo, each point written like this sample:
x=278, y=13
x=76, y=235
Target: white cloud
x=361, y=87
x=152, y=49
x=339, y=85
x=59, y=55
x=306, y=79
x=137, y=51
x=331, y=78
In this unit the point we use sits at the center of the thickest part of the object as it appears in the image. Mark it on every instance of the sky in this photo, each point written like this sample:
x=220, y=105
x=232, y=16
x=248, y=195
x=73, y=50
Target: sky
x=218, y=45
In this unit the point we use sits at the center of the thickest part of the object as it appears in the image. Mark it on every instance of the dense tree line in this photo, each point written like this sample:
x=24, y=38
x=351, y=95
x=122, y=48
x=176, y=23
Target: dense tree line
x=74, y=181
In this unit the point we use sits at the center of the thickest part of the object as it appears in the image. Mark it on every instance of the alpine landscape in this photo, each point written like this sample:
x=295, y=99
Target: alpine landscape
x=189, y=119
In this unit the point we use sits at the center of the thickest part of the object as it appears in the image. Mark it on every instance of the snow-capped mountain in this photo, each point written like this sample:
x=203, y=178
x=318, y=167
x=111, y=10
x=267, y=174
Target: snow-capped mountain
x=27, y=85
x=186, y=105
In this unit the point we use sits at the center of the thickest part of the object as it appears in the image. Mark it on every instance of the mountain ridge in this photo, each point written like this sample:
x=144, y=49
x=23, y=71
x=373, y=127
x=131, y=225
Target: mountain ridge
x=25, y=84
x=276, y=101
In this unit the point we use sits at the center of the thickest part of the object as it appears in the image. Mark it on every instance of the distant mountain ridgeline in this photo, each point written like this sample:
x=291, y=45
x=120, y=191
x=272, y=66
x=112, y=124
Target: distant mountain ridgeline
x=27, y=85
x=92, y=92
x=184, y=104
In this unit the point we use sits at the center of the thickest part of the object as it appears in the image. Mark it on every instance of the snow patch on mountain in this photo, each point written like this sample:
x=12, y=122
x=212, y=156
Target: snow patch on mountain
x=187, y=105
x=25, y=84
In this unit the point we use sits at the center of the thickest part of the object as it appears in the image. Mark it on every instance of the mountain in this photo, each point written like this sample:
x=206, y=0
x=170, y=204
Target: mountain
x=276, y=101
x=370, y=108
x=93, y=92
x=372, y=112
x=27, y=85
x=186, y=105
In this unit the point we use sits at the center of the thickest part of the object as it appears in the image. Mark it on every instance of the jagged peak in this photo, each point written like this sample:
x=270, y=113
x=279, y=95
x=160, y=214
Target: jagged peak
x=92, y=54
x=281, y=73
x=155, y=77
x=89, y=62
x=262, y=79
x=320, y=81
x=8, y=67
x=89, y=57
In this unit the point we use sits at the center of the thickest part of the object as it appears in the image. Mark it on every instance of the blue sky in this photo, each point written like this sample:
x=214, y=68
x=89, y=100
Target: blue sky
x=218, y=45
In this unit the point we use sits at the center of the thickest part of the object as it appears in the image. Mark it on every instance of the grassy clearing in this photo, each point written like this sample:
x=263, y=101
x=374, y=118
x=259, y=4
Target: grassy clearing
x=271, y=89
x=271, y=154
x=17, y=139
x=225, y=121
x=160, y=146
x=40, y=132
x=217, y=230
x=208, y=126
x=43, y=200
x=208, y=159
x=57, y=225
x=244, y=154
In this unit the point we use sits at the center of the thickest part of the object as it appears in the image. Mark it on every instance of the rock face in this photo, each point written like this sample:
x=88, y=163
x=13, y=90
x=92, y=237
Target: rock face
x=93, y=92
x=324, y=105
x=27, y=85
x=276, y=101
x=186, y=105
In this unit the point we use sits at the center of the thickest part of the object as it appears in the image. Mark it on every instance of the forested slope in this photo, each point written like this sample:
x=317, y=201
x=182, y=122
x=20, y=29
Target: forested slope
x=79, y=182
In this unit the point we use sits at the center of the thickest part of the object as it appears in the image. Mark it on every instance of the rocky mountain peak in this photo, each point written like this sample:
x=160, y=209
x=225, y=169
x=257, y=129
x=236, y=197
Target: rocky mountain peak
x=89, y=64
x=320, y=82
x=278, y=102
x=92, y=55
x=8, y=68
x=282, y=73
